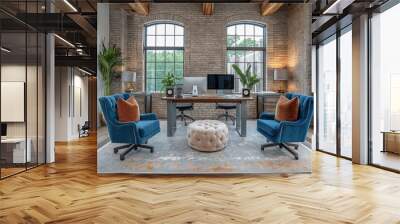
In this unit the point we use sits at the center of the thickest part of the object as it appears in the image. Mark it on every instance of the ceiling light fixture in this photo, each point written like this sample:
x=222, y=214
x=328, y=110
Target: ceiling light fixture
x=84, y=71
x=64, y=40
x=5, y=50
x=70, y=5
x=337, y=7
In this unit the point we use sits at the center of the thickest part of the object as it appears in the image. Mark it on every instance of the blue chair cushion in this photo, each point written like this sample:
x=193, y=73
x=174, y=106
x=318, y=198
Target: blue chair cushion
x=271, y=127
x=147, y=127
x=226, y=107
x=182, y=107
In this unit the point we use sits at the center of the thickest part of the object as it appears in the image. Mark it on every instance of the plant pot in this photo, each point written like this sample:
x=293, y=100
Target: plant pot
x=245, y=92
x=169, y=91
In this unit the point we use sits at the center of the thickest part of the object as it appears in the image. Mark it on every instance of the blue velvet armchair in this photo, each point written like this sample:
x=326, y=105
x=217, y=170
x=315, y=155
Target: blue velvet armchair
x=285, y=133
x=134, y=134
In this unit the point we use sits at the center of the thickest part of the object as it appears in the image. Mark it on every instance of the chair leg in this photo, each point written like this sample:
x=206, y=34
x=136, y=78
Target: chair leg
x=296, y=146
x=116, y=149
x=287, y=146
x=233, y=118
x=220, y=116
x=293, y=152
x=122, y=156
x=189, y=117
x=267, y=145
x=147, y=147
x=180, y=116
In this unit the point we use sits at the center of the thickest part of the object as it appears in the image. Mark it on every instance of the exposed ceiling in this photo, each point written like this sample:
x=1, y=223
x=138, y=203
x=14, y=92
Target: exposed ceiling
x=328, y=16
x=73, y=21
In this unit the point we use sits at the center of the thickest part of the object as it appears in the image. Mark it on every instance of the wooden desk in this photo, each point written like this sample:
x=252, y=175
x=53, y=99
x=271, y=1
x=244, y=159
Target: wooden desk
x=391, y=141
x=241, y=109
x=260, y=96
x=14, y=152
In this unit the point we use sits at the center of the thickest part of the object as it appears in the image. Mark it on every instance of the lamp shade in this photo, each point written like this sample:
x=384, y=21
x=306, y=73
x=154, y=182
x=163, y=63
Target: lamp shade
x=128, y=76
x=280, y=74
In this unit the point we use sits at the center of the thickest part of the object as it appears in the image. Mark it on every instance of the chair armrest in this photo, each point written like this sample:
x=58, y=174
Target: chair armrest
x=123, y=131
x=295, y=131
x=267, y=116
x=148, y=116
x=298, y=123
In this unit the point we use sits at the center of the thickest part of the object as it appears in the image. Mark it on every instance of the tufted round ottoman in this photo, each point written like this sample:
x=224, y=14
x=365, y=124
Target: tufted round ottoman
x=207, y=135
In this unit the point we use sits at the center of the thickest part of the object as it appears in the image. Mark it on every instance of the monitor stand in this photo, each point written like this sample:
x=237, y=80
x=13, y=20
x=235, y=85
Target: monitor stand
x=220, y=92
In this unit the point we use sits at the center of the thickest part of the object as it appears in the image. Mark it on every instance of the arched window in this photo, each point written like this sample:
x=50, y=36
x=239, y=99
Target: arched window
x=246, y=46
x=163, y=47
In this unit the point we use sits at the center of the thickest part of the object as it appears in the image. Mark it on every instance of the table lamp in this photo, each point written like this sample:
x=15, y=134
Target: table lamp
x=128, y=79
x=281, y=75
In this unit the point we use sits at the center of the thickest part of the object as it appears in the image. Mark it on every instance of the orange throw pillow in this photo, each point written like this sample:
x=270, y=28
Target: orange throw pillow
x=128, y=110
x=287, y=110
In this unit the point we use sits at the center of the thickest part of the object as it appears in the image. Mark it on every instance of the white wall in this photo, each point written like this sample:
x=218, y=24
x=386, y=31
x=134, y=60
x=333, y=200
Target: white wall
x=71, y=102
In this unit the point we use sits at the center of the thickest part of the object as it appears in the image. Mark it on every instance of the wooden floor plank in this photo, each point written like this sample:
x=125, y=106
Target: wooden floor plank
x=70, y=191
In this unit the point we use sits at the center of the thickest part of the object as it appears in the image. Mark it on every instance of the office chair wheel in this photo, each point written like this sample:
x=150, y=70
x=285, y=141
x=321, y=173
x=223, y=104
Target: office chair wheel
x=151, y=150
x=122, y=157
x=280, y=146
x=115, y=151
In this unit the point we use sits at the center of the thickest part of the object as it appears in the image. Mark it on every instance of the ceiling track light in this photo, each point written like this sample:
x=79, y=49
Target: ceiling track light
x=5, y=50
x=65, y=41
x=70, y=5
x=84, y=71
x=337, y=7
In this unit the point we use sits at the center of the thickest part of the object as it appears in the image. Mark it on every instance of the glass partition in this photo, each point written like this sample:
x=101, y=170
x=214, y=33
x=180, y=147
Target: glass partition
x=13, y=91
x=22, y=77
x=327, y=96
x=346, y=93
x=385, y=89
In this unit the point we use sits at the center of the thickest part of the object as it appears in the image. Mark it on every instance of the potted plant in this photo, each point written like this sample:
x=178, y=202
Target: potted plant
x=109, y=59
x=247, y=79
x=169, y=82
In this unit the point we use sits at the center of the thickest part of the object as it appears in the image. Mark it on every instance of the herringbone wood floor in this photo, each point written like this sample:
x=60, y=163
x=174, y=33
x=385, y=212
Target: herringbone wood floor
x=70, y=191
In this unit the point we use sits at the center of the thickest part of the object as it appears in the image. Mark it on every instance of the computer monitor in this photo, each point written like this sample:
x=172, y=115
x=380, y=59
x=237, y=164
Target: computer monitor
x=3, y=130
x=220, y=81
x=188, y=83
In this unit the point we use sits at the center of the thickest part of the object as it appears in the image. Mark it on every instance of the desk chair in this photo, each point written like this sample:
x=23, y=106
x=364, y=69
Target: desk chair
x=182, y=108
x=84, y=129
x=134, y=134
x=285, y=133
x=226, y=108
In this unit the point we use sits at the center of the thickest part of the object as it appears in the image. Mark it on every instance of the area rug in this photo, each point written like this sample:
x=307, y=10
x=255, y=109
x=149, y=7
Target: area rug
x=172, y=155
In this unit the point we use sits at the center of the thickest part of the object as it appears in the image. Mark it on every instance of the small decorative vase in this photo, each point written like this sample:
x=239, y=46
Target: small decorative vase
x=169, y=92
x=245, y=92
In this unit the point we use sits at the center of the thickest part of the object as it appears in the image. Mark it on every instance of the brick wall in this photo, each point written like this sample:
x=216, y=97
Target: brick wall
x=299, y=48
x=205, y=42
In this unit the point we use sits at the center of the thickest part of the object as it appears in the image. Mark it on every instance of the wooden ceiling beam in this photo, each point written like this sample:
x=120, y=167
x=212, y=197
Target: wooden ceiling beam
x=141, y=8
x=269, y=8
x=208, y=9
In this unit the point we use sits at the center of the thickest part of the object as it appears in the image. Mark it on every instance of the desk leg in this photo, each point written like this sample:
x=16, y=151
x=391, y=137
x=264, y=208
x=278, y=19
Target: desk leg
x=243, y=118
x=171, y=118
x=238, y=118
